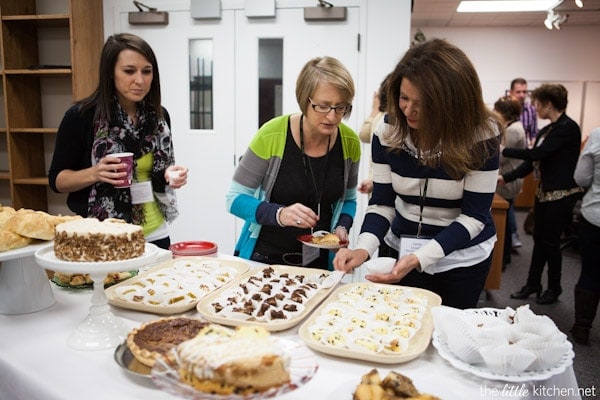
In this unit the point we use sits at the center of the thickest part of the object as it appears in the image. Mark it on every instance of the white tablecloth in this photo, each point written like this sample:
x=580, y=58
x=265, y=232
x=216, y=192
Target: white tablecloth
x=36, y=363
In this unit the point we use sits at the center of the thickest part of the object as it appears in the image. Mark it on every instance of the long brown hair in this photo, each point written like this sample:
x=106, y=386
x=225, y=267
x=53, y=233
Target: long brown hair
x=101, y=99
x=453, y=117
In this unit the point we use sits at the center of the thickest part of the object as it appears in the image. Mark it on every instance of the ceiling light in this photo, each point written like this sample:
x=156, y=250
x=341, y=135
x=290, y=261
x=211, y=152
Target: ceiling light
x=549, y=19
x=559, y=20
x=506, y=5
x=579, y=3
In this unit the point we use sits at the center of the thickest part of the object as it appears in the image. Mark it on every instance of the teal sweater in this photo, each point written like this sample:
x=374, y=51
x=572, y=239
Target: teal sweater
x=257, y=171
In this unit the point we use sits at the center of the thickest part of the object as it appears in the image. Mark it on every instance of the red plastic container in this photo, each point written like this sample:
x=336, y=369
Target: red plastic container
x=193, y=248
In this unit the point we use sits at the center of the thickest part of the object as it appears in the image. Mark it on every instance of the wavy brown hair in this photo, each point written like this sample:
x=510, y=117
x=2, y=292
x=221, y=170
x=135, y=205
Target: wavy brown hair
x=509, y=109
x=553, y=93
x=453, y=117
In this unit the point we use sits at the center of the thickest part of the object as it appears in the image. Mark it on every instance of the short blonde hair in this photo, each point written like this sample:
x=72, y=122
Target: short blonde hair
x=324, y=69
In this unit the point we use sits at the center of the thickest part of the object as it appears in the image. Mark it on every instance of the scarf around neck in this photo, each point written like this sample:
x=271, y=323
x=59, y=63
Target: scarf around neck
x=151, y=135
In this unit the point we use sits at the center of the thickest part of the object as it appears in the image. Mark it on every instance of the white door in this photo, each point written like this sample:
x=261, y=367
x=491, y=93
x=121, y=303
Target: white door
x=301, y=41
x=207, y=153
x=211, y=154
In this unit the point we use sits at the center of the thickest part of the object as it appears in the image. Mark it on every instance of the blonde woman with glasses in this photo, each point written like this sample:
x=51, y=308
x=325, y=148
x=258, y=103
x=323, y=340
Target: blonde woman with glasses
x=299, y=173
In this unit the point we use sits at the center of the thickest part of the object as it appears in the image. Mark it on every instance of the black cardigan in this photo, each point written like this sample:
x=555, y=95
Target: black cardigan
x=73, y=150
x=557, y=154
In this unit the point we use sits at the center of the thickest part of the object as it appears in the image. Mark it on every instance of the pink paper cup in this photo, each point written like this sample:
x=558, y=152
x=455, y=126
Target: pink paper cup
x=126, y=158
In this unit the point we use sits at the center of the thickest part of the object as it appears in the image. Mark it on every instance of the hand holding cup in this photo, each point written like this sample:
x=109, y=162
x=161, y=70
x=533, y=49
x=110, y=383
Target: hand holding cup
x=127, y=159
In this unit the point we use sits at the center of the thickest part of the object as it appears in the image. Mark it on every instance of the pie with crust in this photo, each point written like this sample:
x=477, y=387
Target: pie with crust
x=155, y=338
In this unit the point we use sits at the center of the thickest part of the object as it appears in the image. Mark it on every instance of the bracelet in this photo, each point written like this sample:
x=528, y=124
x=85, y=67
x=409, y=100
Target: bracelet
x=278, y=217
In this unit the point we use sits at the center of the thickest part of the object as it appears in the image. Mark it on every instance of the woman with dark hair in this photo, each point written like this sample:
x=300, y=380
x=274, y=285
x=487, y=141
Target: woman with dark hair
x=514, y=137
x=123, y=114
x=435, y=165
x=552, y=159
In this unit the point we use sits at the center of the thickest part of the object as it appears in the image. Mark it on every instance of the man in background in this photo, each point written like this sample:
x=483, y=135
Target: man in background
x=518, y=90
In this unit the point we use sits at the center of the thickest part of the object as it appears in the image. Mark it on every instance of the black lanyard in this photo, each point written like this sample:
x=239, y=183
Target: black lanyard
x=307, y=168
x=422, y=197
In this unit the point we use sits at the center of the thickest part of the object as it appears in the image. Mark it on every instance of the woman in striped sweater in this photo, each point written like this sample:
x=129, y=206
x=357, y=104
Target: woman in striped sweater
x=435, y=163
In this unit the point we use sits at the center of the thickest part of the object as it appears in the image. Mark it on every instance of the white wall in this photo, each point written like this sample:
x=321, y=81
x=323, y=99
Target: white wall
x=569, y=56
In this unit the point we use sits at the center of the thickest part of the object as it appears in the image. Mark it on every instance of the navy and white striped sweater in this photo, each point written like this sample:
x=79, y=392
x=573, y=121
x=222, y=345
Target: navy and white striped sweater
x=456, y=213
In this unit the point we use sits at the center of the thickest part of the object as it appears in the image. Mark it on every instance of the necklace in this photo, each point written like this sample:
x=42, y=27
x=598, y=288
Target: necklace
x=308, y=170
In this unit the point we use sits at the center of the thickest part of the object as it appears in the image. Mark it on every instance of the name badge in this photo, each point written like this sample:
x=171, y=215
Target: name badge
x=410, y=244
x=141, y=192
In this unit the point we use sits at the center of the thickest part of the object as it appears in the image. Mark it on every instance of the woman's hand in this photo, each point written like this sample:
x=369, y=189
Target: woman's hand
x=366, y=186
x=400, y=270
x=500, y=181
x=346, y=260
x=176, y=176
x=341, y=233
x=298, y=215
x=110, y=170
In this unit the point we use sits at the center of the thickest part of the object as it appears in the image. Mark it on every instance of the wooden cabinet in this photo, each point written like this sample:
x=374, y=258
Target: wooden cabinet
x=526, y=198
x=50, y=55
x=499, y=210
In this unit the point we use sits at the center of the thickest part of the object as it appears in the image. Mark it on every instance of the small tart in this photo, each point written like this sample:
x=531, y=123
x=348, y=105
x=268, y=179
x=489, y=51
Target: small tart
x=155, y=338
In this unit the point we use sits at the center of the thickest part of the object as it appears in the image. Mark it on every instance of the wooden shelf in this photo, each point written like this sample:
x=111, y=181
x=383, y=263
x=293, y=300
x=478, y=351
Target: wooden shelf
x=50, y=20
x=34, y=130
x=40, y=71
x=31, y=181
x=74, y=56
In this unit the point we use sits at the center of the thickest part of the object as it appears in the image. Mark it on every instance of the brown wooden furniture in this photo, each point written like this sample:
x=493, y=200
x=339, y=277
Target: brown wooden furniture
x=25, y=81
x=526, y=198
x=499, y=209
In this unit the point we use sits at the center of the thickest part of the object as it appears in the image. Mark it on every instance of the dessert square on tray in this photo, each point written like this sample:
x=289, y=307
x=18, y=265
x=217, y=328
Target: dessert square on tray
x=175, y=286
x=276, y=297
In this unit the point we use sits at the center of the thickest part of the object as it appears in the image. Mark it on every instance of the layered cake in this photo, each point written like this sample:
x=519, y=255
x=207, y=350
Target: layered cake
x=224, y=361
x=90, y=240
x=155, y=338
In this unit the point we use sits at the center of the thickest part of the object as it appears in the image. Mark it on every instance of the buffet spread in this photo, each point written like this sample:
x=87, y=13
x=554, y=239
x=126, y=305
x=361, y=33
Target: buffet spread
x=335, y=341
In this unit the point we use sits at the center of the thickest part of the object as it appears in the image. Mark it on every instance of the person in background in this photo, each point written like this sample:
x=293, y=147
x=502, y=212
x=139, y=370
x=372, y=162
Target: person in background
x=518, y=90
x=123, y=114
x=368, y=127
x=435, y=165
x=300, y=172
x=587, y=289
x=552, y=160
x=514, y=137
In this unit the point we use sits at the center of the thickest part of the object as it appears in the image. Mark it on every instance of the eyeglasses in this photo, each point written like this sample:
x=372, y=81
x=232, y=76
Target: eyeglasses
x=324, y=109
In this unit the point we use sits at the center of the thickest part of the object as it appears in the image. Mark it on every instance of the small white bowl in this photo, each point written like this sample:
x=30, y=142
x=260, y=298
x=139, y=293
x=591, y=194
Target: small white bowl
x=380, y=265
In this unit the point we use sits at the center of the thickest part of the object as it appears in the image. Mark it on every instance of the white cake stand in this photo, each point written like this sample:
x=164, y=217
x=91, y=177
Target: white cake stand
x=101, y=329
x=24, y=287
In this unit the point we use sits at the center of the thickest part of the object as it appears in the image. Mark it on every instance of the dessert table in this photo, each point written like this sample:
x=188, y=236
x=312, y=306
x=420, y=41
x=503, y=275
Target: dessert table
x=36, y=363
